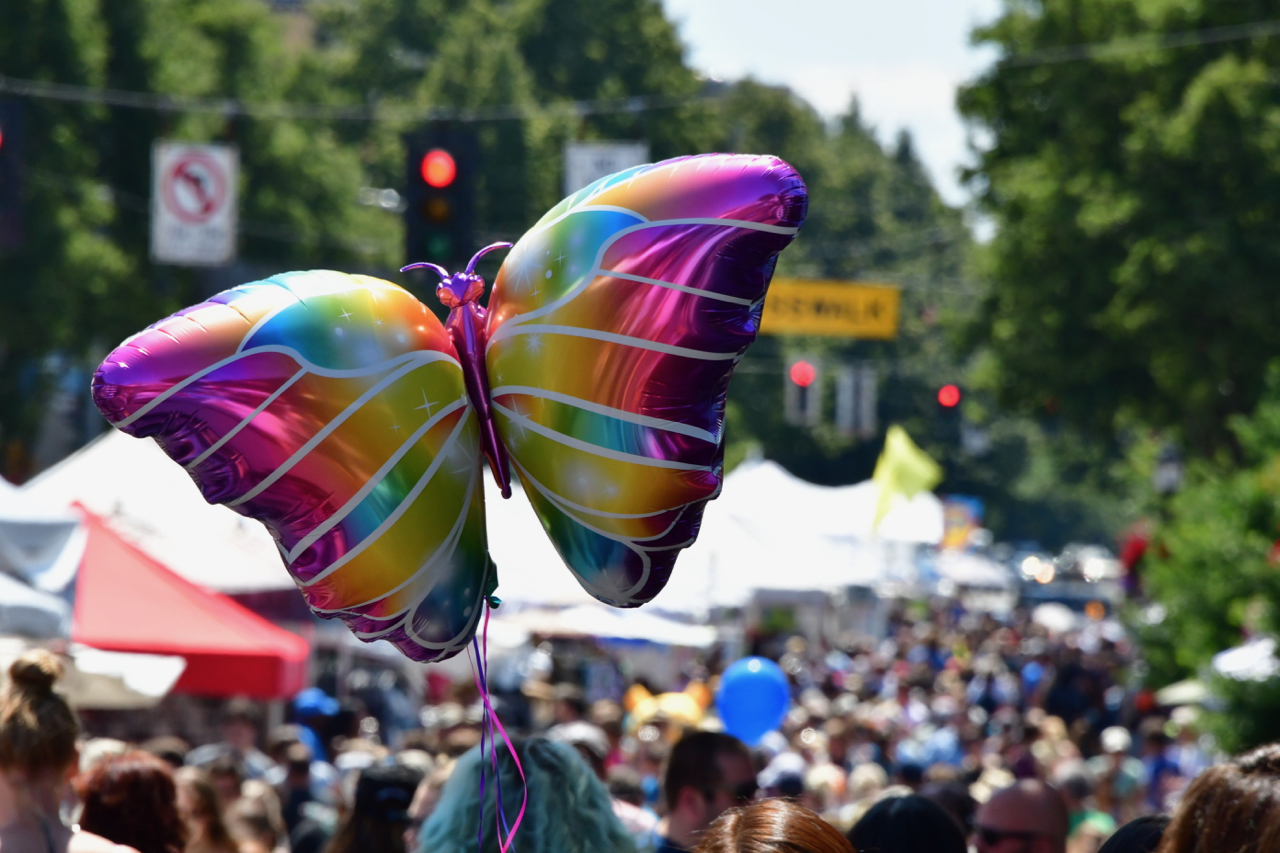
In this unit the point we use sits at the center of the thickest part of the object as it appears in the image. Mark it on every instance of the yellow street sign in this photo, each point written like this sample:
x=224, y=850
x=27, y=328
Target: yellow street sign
x=833, y=308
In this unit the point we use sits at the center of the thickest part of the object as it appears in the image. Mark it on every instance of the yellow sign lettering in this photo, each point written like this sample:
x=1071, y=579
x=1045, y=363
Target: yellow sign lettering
x=832, y=308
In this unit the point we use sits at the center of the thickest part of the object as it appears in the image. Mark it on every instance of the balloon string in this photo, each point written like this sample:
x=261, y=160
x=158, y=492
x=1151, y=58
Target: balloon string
x=487, y=735
x=500, y=818
x=480, y=820
x=493, y=717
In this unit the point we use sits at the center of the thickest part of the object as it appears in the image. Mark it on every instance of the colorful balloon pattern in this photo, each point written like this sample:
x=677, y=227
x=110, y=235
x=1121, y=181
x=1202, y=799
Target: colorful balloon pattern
x=332, y=407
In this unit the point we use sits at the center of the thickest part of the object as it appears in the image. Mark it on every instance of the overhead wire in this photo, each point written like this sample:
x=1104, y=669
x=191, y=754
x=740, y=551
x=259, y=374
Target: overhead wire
x=231, y=107
x=1142, y=43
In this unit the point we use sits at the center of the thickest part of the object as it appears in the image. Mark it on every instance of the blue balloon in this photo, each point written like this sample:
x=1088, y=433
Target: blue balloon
x=753, y=698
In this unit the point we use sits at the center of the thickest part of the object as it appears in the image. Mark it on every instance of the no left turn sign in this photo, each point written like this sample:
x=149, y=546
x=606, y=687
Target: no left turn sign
x=193, y=215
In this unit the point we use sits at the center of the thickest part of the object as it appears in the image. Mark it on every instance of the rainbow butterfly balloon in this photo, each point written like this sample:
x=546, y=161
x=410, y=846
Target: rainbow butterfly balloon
x=338, y=411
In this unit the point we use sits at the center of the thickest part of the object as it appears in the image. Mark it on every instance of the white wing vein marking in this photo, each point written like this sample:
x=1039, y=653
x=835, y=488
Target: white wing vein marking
x=399, y=510
x=445, y=549
x=671, y=285
x=231, y=433
x=595, y=270
x=324, y=432
x=615, y=338
x=595, y=449
x=418, y=356
x=377, y=477
x=608, y=411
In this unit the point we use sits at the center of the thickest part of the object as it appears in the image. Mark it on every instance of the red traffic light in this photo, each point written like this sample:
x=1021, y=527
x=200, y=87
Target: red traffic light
x=803, y=373
x=438, y=168
x=1, y=138
x=949, y=396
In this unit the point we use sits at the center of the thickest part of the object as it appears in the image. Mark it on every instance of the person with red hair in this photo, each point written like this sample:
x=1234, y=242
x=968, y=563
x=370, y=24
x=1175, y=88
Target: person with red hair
x=772, y=826
x=132, y=799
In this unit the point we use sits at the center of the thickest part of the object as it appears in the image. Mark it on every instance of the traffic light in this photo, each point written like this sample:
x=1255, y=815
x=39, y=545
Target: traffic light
x=802, y=392
x=440, y=199
x=949, y=396
x=11, y=145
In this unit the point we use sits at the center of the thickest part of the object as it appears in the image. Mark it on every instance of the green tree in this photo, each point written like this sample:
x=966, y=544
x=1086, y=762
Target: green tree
x=83, y=279
x=875, y=216
x=1212, y=568
x=1134, y=191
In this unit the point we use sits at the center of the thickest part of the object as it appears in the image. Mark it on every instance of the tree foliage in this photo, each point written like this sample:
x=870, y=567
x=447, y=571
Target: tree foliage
x=1135, y=195
x=83, y=278
x=1213, y=569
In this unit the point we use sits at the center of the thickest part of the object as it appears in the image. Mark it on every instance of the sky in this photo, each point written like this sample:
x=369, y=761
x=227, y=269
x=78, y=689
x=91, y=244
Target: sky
x=903, y=59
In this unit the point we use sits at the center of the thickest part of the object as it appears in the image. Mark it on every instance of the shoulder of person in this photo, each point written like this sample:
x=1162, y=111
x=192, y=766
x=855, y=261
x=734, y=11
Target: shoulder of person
x=206, y=754
x=87, y=842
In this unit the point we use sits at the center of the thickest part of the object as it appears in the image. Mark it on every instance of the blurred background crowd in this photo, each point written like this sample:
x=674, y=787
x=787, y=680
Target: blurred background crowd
x=951, y=706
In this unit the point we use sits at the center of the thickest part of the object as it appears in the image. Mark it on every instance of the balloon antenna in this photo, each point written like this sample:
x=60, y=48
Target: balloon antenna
x=486, y=250
x=436, y=268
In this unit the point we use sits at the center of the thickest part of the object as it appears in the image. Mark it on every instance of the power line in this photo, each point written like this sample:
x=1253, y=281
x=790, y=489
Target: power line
x=230, y=107
x=1141, y=44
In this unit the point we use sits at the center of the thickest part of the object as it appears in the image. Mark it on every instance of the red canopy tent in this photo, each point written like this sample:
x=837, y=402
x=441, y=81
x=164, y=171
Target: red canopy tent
x=128, y=602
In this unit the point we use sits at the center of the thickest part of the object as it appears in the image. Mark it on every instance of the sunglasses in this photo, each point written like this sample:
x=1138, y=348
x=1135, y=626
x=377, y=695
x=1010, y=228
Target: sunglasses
x=992, y=837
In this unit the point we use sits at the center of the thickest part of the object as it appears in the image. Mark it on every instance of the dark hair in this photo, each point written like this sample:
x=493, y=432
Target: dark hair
x=954, y=799
x=624, y=784
x=1141, y=835
x=172, y=750
x=907, y=824
x=131, y=799
x=206, y=806
x=38, y=729
x=772, y=826
x=1232, y=807
x=694, y=762
x=240, y=708
x=381, y=812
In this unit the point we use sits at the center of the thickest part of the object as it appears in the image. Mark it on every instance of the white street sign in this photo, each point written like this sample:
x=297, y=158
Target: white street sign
x=587, y=162
x=193, y=203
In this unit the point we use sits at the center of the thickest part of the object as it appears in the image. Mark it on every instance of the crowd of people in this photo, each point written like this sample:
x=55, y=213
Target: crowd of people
x=957, y=732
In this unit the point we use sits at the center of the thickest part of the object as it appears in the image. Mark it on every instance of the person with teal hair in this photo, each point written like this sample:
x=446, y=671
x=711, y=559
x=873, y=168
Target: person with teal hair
x=569, y=809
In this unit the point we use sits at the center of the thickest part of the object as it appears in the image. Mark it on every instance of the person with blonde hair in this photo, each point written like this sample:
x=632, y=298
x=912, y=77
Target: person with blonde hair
x=38, y=757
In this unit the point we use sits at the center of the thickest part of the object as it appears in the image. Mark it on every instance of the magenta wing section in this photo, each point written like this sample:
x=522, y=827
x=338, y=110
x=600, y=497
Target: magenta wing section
x=331, y=408
x=614, y=327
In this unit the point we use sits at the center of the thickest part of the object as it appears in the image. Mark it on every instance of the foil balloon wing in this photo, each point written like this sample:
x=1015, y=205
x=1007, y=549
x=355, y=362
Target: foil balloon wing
x=332, y=408
x=613, y=328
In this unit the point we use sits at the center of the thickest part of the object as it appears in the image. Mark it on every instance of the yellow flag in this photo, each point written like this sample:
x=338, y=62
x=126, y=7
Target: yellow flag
x=903, y=469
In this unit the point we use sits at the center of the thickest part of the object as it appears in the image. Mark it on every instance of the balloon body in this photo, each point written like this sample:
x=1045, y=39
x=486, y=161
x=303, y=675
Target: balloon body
x=753, y=698
x=342, y=414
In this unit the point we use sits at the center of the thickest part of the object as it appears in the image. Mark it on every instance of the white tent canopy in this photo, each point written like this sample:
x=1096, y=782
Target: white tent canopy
x=599, y=620
x=153, y=503
x=767, y=530
x=41, y=542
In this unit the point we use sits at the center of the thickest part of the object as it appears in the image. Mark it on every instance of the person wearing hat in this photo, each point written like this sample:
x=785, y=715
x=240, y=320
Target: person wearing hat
x=1121, y=777
x=314, y=708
